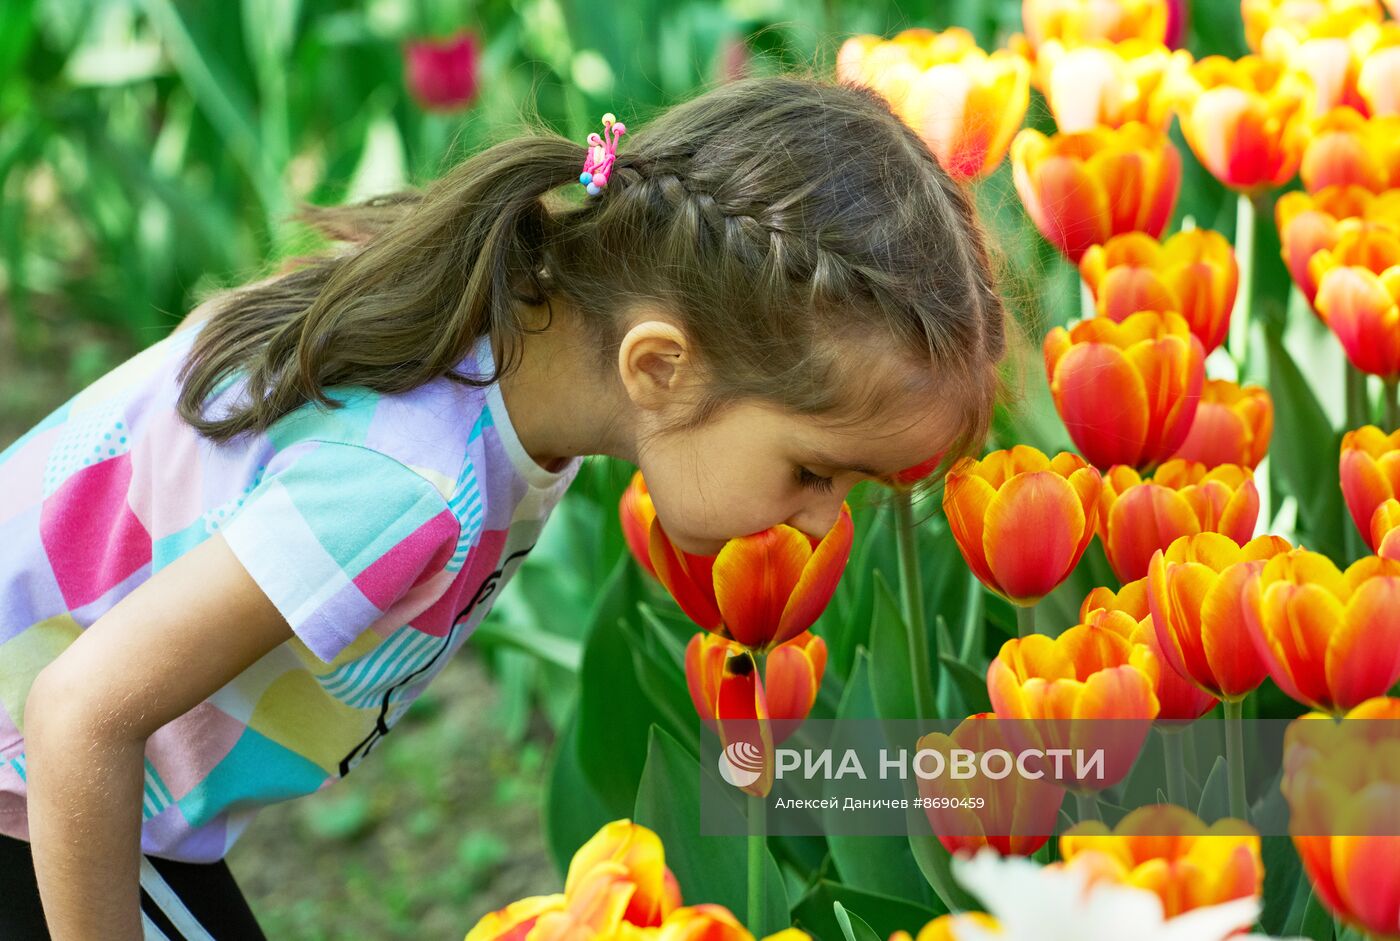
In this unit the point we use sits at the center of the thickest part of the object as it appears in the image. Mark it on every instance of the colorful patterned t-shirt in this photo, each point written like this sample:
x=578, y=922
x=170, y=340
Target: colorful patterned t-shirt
x=382, y=530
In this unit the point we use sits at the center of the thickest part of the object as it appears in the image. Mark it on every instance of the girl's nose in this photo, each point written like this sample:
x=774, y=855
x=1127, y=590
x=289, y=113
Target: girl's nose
x=817, y=521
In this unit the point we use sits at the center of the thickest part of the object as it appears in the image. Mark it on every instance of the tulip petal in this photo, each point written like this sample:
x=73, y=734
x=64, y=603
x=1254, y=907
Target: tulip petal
x=686, y=577
x=1103, y=402
x=818, y=579
x=754, y=578
x=1033, y=528
x=1363, y=654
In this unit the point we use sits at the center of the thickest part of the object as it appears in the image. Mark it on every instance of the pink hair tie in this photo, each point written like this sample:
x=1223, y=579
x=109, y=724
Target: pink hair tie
x=602, y=151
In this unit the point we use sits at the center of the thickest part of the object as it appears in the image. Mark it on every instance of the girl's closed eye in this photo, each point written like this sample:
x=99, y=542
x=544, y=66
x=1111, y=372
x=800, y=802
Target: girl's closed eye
x=815, y=481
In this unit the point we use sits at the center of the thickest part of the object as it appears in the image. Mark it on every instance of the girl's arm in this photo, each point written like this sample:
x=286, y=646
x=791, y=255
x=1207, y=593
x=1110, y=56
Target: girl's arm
x=163, y=649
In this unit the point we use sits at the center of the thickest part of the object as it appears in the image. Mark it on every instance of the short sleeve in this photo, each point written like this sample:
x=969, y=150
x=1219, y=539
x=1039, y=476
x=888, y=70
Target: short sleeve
x=338, y=535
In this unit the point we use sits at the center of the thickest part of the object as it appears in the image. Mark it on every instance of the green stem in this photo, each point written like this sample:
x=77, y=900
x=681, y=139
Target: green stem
x=758, y=848
x=1088, y=805
x=1238, y=342
x=1025, y=620
x=1234, y=758
x=912, y=589
x=1358, y=413
x=1392, y=405
x=1087, y=307
x=1175, y=757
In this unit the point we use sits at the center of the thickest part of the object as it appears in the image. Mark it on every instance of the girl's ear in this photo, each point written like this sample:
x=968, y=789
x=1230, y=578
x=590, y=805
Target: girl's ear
x=654, y=362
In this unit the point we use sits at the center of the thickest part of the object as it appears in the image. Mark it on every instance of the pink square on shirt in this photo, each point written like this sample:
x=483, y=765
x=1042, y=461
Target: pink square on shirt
x=186, y=749
x=92, y=539
x=481, y=563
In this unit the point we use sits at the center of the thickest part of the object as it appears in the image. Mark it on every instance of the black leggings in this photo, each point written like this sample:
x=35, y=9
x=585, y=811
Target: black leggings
x=179, y=901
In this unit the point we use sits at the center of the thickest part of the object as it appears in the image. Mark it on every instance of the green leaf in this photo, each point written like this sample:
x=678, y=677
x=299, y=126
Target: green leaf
x=1286, y=888
x=815, y=912
x=562, y=651
x=971, y=685
x=1215, y=795
x=1317, y=923
x=709, y=868
x=573, y=811
x=853, y=926
x=891, y=673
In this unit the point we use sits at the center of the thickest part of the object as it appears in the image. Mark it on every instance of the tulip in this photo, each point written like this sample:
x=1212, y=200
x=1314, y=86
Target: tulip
x=1340, y=781
x=1329, y=51
x=1108, y=84
x=638, y=850
x=1090, y=671
x=964, y=103
x=1346, y=148
x=1245, y=120
x=1013, y=815
x=1179, y=699
x=1170, y=851
x=1082, y=189
x=1308, y=223
x=636, y=511
x=996, y=504
x=1385, y=530
x=442, y=75
x=1075, y=22
x=711, y=922
x=760, y=590
x=1137, y=517
x=912, y=475
x=1370, y=474
x=724, y=685
x=516, y=920
x=1329, y=639
x=1360, y=305
x=1379, y=81
x=949, y=927
x=1127, y=391
x=1195, y=591
x=1233, y=425
x=1298, y=15
x=1193, y=273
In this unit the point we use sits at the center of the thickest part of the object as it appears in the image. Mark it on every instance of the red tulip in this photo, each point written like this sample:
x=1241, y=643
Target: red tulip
x=1127, y=392
x=760, y=590
x=1233, y=425
x=1370, y=473
x=636, y=512
x=1308, y=223
x=442, y=75
x=1361, y=305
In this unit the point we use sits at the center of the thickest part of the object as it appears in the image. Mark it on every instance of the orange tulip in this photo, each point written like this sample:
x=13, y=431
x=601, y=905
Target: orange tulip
x=1370, y=474
x=1340, y=781
x=1233, y=425
x=1360, y=304
x=711, y=922
x=1346, y=148
x=1329, y=639
x=1075, y=22
x=1298, y=15
x=964, y=103
x=1015, y=815
x=993, y=504
x=1084, y=188
x=1308, y=223
x=1169, y=851
x=1137, y=517
x=1385, y=530
x=1245, y=120
x=1108, y=84
x=949, y=927
x=1195, y=593
x=1127, y=392
x=1180, y=700
x=760, y=590
x=636, y=511
x=638, y=850
x=724, y=685
x=912, y=475
x=1090, y=671
x=515, y=920
x=1193, y=273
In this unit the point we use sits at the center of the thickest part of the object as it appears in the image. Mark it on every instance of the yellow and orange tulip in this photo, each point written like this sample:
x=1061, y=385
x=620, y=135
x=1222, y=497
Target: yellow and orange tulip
x=1075, y=22
x=1329, y=639
x=1298, y=16
x=1379, y=81
x=761, y=590
x=1179, y=699
x=1090, y=671
x=1195, y=592
x=1370, y=474
x=963, y=102
x=1127, y=391
x=1340, y=781
x=1358, y=295
x=1084, y=188
x=724, y=684
x=1385, y=530
x=1329, y=51
x=995, y=504
x=637, y=512
x=947, y=927
x=1182, y=498
x=1193, y=273
x=1171, y=852
x=1108, y=84
x=639, y=851
x=1245, y=119
x=1347, y=149
x=1014, y=815
x=1310, y=222
x=1233, y=425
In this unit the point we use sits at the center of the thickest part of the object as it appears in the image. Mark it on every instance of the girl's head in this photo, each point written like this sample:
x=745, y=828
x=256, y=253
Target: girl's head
x=777, y=268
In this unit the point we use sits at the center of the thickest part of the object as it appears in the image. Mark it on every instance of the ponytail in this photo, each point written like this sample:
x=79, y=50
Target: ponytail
x=428, y=274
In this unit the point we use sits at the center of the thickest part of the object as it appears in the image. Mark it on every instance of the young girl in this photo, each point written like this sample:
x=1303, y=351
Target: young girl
x=229, y=566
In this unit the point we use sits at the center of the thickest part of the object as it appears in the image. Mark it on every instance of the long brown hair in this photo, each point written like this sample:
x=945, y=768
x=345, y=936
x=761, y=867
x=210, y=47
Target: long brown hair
x=783, y=219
